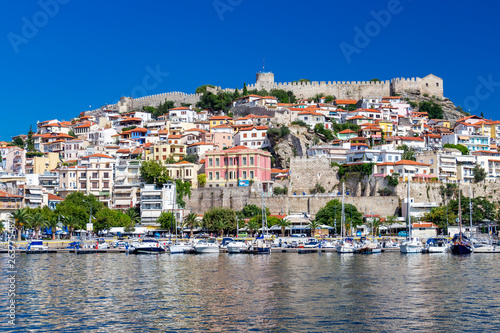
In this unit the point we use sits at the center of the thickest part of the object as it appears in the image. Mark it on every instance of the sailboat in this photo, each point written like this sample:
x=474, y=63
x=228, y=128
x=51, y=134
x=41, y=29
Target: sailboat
x=461, y=244
x=411, y=244
x=347, y=244
x=260, y=246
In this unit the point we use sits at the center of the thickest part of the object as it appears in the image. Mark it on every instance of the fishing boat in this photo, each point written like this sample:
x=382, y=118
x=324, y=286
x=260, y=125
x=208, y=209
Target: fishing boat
x=147, y=246
x=460, y=243
x=207, y=246
x=411, y=244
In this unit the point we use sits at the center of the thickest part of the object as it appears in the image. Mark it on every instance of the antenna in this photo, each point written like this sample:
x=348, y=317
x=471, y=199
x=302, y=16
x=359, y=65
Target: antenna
x=263, y=65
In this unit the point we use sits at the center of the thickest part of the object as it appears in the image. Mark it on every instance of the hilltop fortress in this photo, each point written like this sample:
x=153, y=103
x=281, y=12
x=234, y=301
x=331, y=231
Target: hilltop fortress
x=430, y=84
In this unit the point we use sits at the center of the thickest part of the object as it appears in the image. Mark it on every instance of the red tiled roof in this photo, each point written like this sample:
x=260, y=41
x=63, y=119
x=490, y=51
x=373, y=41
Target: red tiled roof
x=4, y=194
x=53, y=197
x=97, y=155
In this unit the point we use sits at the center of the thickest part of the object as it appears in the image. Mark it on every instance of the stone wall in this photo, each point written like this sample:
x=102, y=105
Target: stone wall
x=430, y=84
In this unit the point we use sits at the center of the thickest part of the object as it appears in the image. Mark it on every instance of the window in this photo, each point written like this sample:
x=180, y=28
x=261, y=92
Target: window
x=95, y=185
x=390, y=158
x=216, y=175
x=244, y=161
x=216, y=162
x=251, y=174
x=83, y=185
x=164, y=157
x=230, y=161
x=164, y=150
x=157, y=149
x=431, y=161
x=244, y=135
x=210, y=176
x=244, y=175
x=251, y=160
x=263, y=135
x=106, y=185
x=209, y=162
x=254, y=135
x=106, y=175
x=157, y=158
x=94, y=175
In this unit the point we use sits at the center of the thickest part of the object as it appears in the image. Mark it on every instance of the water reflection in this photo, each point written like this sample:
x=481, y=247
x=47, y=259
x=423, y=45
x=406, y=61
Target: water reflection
x=280, y=292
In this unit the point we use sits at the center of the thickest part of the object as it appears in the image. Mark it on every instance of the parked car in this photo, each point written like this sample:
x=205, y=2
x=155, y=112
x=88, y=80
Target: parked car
x=402, y=234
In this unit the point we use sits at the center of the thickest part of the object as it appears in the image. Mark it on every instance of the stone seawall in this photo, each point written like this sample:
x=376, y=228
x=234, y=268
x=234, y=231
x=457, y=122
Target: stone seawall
x=203, y=199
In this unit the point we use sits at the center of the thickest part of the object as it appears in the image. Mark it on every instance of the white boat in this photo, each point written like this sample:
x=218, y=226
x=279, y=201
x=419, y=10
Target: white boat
x=436, y=245
x=326, y=245
x=237, y=246
x=207, y=246
x=147, y=246
x=487, y=249
x=411, y=245
x=347, y=246
x=180, y=248
x=37, y=246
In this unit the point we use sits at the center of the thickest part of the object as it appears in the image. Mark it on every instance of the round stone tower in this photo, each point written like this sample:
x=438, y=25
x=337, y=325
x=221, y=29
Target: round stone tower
x=264, y=80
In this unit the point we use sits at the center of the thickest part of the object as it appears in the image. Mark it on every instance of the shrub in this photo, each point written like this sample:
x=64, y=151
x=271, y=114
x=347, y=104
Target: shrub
x=300, y=123
x=385, y=192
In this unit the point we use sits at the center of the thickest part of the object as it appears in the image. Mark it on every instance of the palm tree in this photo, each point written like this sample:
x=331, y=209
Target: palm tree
x=314, y=225
x=220, y=225
x=21, y=218
x=134, y=216
x=283, y=223
x=253, y=225
x=52, y=224
x=37, y=221
x=71, y=222
x=191, y=221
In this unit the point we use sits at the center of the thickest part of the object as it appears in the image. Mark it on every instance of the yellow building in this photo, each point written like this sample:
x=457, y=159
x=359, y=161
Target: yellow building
x=185, y=171
x=161, y=152
x=387, y=127
x=220, y=120
x=39, y=164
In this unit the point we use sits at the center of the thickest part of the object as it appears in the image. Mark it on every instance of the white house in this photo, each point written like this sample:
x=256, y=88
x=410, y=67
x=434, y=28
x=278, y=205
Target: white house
x=254, y=137
x=182, y=114
x=312, y=118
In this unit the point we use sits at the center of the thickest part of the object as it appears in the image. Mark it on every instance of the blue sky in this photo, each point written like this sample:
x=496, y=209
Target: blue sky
x=83, y=53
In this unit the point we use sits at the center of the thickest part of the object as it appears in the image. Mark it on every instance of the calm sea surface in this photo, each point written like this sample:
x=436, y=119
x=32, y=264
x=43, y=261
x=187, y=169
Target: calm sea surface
x=274, y=293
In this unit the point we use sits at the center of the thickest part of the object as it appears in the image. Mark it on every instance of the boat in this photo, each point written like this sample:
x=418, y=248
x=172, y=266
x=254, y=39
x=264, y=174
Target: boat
x=411, y=244
x=207, y=246
x=346, y=244
x=147, y=246
x=36, y=246
x=460, y=243
x=180, y=247
x=369, y=247
x=436, y=245
x=259, y=246
x=237, y=246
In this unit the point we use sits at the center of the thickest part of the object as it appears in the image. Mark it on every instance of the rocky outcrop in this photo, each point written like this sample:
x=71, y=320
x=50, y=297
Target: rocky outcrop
x=450, y=111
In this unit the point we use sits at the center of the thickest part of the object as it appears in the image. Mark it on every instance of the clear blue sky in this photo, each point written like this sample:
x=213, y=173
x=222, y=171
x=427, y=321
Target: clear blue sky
x=93, y=52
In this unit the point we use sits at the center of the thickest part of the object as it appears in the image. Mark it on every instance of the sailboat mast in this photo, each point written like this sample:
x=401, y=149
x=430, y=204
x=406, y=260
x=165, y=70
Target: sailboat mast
x=470, y=210
x=173, y=215
x=408, y=220
x=460, y=215
x=342, y=218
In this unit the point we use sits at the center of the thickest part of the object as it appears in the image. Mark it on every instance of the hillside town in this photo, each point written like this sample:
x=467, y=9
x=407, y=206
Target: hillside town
x=111, y=153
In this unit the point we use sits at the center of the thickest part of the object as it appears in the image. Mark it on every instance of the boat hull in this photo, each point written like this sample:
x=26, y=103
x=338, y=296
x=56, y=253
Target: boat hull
x=410, y=248
x=179, y=249
x=147, y=250
x=461, y=249
x=204, y=249
x=487, y=249
x=345, y=249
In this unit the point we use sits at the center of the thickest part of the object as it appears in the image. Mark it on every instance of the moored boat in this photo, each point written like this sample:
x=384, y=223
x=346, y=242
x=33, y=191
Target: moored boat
x=207, y=246
x=147, y=246
x=436, y=245
x=237, y=246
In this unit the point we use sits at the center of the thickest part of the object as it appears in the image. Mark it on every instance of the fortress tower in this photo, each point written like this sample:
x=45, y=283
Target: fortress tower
x=264, y=80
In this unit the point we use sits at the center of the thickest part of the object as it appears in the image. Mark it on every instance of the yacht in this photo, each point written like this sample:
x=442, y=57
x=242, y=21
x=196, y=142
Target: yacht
x=347, y=246
x=237, y=246
x=180, y=247
x=207, y=246
x=411, y=245
x=436, y=245
x=147, y=246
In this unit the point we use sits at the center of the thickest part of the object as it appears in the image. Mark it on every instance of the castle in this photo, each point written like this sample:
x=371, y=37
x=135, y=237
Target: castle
x=430, y=84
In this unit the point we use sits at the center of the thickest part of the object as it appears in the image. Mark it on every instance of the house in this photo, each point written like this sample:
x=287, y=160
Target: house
x=220, y=139
x=75, y=149
x=346, y=134
x=83, y=129
x=219, y=120
x=254, y=137
x=200, y=148
x=186, y=171
x=156, y=200
x=424, y=230
x=238, y=166
x=312, y=118
x=433, y=141
x=413, y=170
x=442, y=163
x=8, y=204
x=473, y=142
x=182, y=114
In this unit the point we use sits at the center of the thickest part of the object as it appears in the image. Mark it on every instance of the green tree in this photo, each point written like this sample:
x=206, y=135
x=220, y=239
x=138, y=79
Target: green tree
x=313, y=225
x=251, y=211
x=317, y=97
x=52, y=223
x=71, y=133
x=281, y=95
x=463, y=149
x=374, y=80
x=479, y=173
x=153, y=172
x=78, y=204
x=18, y=142
x=434, y=110
x=333, y=209
x=191, y=158
x=253, y=225
x=38, y=221
x=166, y=220
x=30, y=144
x=329, y=98
x=283, y=223
x=21, y=218
x=203, y=89
x=409, y=153
x=72, y=223
x=219, y=218
x=236, y=94
x=191, y=221
x=245, y=90
x=149, y=109
x=202, y=180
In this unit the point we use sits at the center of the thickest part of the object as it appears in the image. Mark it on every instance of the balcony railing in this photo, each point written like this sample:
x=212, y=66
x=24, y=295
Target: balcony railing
x=10, y=205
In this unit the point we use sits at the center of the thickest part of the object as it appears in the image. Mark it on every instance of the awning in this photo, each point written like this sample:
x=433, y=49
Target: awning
x=448, y=169
x=466, y=158
x=461, y=137
x=34, y=190
x=122, y=202
x=409, y=168
x=448, y=159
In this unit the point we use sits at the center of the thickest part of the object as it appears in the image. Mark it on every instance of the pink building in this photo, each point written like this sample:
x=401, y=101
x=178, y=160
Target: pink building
x=219, y=140
x=238, y=166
